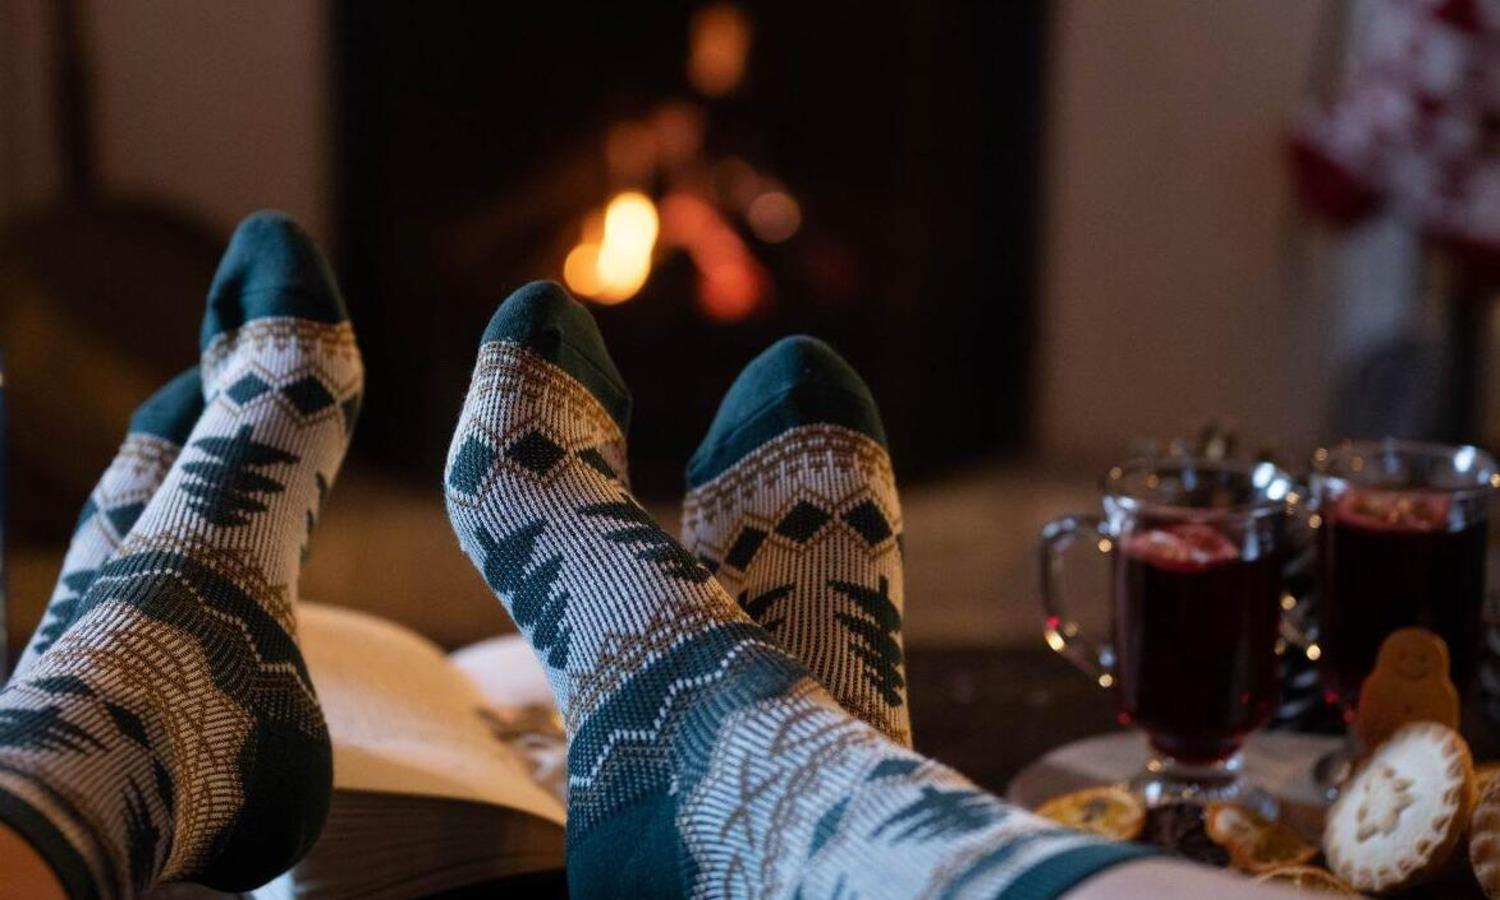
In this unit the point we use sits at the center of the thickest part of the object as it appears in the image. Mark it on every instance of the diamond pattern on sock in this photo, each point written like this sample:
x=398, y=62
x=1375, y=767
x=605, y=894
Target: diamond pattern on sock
x=871, y=524
x=469, y=466
x=308, y=394
x=591, y=457
x=247, y=388
x=742, y=551
x=802, y=522
x=535, y=452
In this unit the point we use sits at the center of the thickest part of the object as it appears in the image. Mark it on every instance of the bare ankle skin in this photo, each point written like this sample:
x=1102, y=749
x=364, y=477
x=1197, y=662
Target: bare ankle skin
x=1154, y=879
x=26, y=876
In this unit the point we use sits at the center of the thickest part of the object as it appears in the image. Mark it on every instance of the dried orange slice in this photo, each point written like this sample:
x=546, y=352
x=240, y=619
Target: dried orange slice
x=1308, y=878
x=1255, y=845
x=1227, y=823
x=1110, y=811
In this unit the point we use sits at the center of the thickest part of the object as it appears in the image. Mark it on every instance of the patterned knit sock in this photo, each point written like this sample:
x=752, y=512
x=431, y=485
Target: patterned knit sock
x=703, y=759
x=171, y=732
x=157, y=430
x=791, y=502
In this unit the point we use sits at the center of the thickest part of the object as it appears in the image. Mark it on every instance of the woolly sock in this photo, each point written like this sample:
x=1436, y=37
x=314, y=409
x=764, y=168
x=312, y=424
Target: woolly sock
x=792, y=504
x=157, y=430
x=704, y=760
x=171, y=732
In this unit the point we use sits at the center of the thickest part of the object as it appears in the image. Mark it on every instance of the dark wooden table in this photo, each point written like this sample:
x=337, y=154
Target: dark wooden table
x=990, y=712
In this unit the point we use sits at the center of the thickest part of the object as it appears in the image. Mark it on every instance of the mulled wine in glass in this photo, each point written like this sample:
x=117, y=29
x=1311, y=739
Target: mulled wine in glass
x=1402, y=528
x=1196, y=551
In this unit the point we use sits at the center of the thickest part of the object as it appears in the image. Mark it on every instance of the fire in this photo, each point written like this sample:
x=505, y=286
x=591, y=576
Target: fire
x=720, y=42
x=615, y=267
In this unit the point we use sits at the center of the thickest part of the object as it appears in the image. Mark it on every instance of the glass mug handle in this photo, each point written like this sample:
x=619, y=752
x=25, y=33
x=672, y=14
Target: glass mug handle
x=1063, y=633
x=1301, y=578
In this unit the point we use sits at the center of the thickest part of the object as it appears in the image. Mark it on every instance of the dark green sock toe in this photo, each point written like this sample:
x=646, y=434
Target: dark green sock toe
x=799, y=380
x=171, y=412
x=542, y=317
x=271, y=269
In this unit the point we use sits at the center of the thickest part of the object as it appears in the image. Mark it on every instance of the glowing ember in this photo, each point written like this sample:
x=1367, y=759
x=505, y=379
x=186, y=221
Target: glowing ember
x=774, y=216
x=616, y=267
x=720, y=41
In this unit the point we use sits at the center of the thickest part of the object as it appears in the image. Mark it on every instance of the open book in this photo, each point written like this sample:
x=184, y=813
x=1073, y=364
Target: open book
x=448, y=770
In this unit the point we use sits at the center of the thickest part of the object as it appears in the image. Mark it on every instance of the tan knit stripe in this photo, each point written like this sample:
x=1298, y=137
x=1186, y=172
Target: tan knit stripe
x=802, y=452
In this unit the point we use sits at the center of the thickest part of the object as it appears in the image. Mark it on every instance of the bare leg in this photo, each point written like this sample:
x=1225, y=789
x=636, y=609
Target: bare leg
x=1160, y=879
x=26, y=876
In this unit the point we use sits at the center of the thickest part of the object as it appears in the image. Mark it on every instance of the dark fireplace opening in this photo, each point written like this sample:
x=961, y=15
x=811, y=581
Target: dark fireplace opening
x=900, y=141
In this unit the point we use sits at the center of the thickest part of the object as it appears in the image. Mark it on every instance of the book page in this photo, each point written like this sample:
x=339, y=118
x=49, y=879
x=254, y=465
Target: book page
x=505, y=671
x=514, y=687
x=404, y=720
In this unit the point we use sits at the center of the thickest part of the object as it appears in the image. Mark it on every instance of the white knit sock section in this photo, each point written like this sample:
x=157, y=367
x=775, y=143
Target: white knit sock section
x=805, y=533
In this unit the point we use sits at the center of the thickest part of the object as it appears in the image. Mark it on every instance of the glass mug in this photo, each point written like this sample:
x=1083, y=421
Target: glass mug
x=1197, y=549
x=1402, y=528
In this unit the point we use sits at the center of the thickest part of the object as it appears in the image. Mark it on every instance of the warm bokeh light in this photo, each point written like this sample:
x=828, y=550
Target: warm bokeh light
x=614, y=268
x=581, y=270
x=728, y=288
x=731, y=284
x=719, y=41
x=736, y=183
x=630, y=150
x=678, y=127
x=774, y=216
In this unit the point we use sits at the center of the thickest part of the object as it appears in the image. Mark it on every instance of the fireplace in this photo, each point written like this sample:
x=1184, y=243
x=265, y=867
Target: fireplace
x=863, y=172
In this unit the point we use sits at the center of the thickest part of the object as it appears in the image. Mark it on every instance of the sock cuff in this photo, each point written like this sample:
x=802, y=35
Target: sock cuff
x=49, y=841
x=1056, y=875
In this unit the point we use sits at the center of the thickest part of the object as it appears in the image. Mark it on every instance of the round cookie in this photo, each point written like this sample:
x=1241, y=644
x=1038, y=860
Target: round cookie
x=1484, y=773
x=1400, y=816
x=1484, y=839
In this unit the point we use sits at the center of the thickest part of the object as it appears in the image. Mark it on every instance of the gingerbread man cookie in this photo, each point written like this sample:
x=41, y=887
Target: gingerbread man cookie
x=1410, y=684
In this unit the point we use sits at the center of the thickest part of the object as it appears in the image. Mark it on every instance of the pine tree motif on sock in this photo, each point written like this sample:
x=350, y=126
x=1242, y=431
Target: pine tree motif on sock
x=703, y=759
x=171, y=731
x=157, y=430
x=791, y=501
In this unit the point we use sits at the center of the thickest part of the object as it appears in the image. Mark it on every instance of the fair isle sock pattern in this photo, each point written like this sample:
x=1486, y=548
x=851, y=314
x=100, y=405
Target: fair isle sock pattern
x=704, y=760
x=157, y=430
x=171, y=732
x=805, y=534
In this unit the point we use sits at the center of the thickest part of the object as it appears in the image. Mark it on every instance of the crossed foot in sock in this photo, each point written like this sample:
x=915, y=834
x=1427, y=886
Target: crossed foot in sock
x=161, y=725
x=704, y=758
